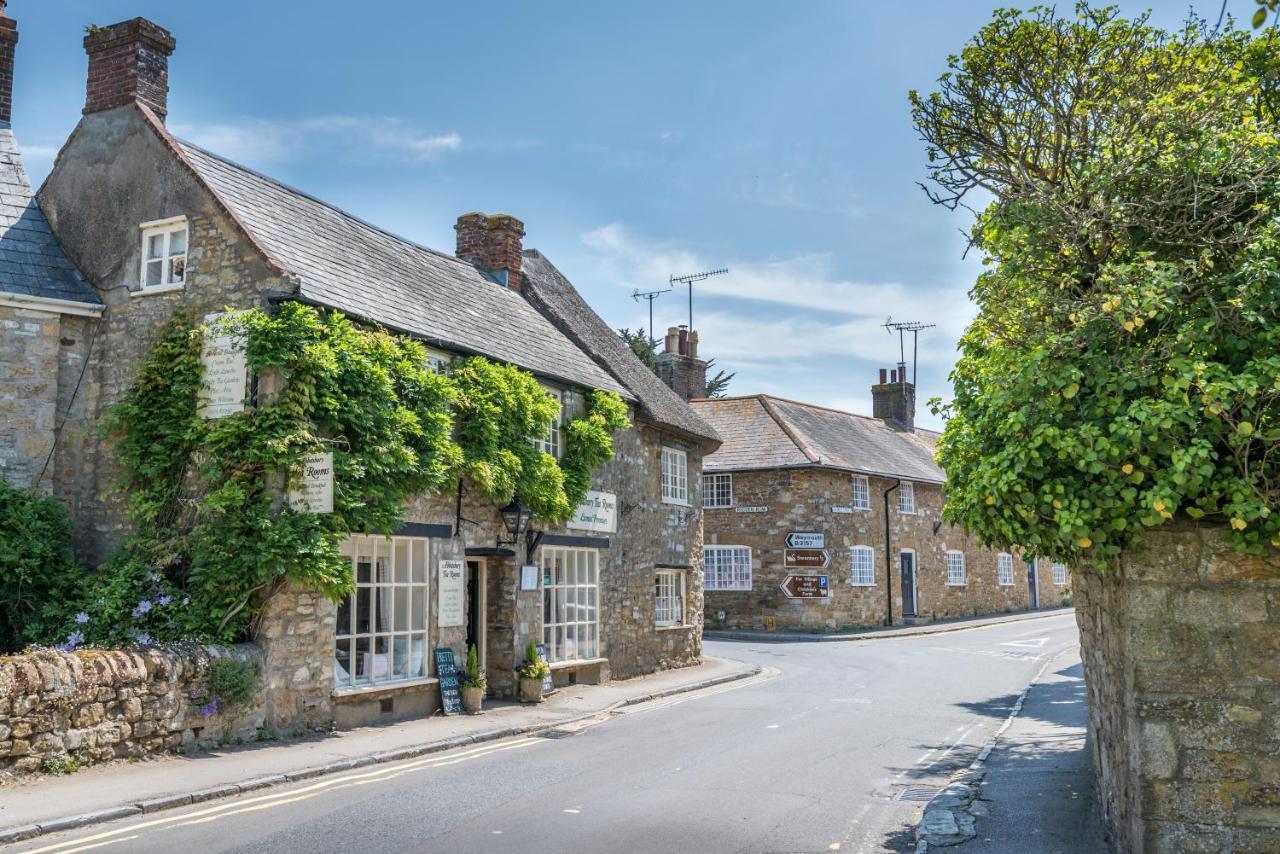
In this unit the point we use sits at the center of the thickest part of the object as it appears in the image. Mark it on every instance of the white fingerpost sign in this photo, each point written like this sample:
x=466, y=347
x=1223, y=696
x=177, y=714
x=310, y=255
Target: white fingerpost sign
x=314, y=490
x=453, y=593
x=225, y=369
x=598, y=512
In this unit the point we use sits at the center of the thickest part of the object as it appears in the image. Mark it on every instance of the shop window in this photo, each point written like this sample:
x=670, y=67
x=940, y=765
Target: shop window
x=1004, y=569
x=717, y=490
x=861, y=493
x=668, y=591
x=570, y=603
x=675, y=476
x=863, y=573
x=164, y=253
x=955, y=569
x=1059, y=574
x=726, y=567
x=382, y=626
x=906, y=497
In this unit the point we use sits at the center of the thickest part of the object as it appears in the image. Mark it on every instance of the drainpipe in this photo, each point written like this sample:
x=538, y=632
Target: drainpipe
x=888, y=557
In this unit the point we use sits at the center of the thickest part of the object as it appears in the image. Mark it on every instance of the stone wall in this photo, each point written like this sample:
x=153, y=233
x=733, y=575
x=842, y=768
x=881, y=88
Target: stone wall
x=819, y=500
x=1181, y=648
x=97, y=705
x=28, y=393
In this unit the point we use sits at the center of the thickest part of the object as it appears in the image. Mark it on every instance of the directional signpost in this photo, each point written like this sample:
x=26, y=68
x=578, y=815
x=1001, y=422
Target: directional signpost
x=806, y=587
x=806, y=540
x=807, y=558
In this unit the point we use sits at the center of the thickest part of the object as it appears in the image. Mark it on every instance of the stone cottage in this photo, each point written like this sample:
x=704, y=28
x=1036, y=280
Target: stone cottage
x=157, y=225
x=822, y=520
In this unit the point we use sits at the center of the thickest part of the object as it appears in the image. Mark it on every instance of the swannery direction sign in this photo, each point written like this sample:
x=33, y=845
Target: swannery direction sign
x=806, y=558
x=806, y=587
x=806, y=540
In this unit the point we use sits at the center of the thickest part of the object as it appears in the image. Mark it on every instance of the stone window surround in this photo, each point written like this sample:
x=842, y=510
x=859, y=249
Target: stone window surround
x=167, y=228
x=675, y=476
x=711, y=490
x=669, y=598
x=861, y=499
x=953, y=566
x=713, y=581
x=862, y=566
x=1004, y=569
x=1060, y=574
x=907, y=498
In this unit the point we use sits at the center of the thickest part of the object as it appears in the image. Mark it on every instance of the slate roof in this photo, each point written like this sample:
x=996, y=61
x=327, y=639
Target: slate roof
x=764, y=432
x=342, y=262
x=557, y=298
x=32, y=262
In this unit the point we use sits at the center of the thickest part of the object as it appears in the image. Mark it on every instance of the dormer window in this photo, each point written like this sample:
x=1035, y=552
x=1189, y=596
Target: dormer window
x=164, y=253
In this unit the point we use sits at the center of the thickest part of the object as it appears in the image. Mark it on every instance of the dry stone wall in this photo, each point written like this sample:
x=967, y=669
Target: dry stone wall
x=1181, y=648
x=96, y=705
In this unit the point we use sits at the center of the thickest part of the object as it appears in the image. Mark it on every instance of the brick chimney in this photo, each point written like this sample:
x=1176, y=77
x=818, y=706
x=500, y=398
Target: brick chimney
x=494, y=243
x=8, y=41
x=893, y=400
x=128, y=62
x=678, y=364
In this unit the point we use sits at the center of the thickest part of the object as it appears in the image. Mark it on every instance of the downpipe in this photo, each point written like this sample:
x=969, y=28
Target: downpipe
x=888, y=557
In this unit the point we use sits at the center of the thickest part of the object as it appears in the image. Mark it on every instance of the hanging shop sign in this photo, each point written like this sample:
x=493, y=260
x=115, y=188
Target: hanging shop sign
x=806, y=587
x=453, y=593
x=806, y=540
x=447, y=673
x=807, y=558
x=598, y=512
x=226, y=372
x=314, y=490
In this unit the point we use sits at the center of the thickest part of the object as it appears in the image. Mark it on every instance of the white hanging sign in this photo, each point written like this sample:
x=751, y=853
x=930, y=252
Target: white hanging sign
x=453, y=593
x=225, y=369
x=598, y=512
x=314, y=491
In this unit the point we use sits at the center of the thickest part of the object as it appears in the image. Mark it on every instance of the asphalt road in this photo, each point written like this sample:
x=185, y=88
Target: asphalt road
x=824, y=751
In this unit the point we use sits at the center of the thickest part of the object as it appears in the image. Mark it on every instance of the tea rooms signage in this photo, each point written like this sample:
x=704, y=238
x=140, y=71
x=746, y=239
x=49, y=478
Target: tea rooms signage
x=225, y=369
x=313, y=492
x=598, y=512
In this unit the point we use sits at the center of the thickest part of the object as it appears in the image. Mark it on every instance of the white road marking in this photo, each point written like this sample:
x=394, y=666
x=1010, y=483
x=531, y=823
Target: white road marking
x=772, y=726
x=102, y=844
x=572, y=812
x=1034, y=643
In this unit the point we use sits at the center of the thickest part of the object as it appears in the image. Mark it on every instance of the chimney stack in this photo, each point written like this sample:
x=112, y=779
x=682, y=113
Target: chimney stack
x=128, y=62
x=8, y=42
x=494, y=243
x=678, y=364
x=894, y=402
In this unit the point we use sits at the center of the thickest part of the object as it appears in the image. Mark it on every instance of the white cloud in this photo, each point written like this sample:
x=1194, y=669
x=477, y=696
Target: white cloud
x=785, y=191
x=258, y=141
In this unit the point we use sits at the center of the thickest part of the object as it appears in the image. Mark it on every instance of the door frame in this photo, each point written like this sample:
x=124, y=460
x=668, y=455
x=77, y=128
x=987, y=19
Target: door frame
x=915, y=581
x=482, y=608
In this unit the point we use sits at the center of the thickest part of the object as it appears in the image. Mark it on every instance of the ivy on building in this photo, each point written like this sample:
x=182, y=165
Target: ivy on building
x=213, y=533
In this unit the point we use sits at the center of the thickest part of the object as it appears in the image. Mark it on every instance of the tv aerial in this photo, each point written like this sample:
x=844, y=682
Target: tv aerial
x=650, y=296
x=902, y=328
x=689, y=280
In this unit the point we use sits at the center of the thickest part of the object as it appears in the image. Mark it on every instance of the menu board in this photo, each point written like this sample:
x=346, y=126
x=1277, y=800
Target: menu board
x=447, y=672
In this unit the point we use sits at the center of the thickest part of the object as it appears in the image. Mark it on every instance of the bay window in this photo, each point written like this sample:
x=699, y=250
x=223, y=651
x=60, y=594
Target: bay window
x=381, y=630
x=570, y=603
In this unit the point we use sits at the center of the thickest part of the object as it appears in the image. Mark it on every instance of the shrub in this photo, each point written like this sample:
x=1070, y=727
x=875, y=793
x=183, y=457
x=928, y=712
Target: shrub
x=38, y=574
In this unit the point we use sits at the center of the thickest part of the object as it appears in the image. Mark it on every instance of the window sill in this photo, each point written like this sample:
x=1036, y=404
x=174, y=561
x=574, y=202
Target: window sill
x=727, y=589
x=717, y=506
x=381, y=687
x=159, y=289
x=671, y=502
x=1004, y=584
x=857, y=584
x=671, y=628
x=577, y=662
x=959, y=584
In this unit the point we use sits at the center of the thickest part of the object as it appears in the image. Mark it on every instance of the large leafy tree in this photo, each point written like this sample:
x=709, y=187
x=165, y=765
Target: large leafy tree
x=1124, y=366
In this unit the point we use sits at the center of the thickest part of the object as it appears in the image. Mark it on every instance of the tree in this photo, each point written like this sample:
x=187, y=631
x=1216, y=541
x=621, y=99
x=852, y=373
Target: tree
x=1122, y=367
x=718, y=386
x=646, y=350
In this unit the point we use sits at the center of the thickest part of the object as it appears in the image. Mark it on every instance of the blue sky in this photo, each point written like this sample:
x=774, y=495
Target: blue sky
x=636, y=141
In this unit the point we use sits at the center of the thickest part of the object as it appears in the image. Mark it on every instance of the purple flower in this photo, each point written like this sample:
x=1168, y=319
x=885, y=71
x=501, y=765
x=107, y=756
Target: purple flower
x=82, y=618
x=208, y=708
x=73, y=640
x=164, y=600
x=143, y=607
x=144, y=639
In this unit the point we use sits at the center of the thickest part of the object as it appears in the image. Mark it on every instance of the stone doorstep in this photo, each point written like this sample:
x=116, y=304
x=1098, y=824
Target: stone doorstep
x=30, y=831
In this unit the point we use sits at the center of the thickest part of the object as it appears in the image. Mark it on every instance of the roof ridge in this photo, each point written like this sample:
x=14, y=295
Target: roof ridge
x=308, y=196
x=791, y=432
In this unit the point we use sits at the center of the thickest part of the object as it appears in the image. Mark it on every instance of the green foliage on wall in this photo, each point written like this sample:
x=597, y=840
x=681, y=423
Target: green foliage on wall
x=1122, y=369
x=213, y=533
x=37, y=569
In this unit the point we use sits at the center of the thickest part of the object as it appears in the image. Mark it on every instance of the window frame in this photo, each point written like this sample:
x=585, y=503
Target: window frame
x=964, y=572
x=906, y=506
x=738, y=582
x=865, y=482
x=677, y=480
x=853, y=565
x=675, y=594
x=551, y=442
x=579, y=595
x=1059, y=571
x=1004, y=572
x=709, y=490
x=166, y=229
x=382, y=642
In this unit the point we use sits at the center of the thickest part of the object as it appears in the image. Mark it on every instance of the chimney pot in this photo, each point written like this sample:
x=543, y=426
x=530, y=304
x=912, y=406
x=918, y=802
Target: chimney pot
x=129, y=63
x=684, y=340
x=693, y=344
x=494, y=243
x=894, y=402
x=884, y=376
x=671, y=343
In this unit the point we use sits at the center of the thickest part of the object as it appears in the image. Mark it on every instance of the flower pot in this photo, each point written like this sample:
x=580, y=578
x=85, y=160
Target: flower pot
x=472, y=699
x=530, y=690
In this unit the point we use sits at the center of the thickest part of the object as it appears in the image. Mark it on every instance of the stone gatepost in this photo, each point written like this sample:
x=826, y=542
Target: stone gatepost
x=296, y=634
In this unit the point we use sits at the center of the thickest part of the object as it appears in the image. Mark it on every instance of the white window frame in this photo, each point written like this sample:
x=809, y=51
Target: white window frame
x=438, y=360
x=861, y=494
x=907, y=498
x=166, y=229
x=1060, y=574
x=550, y=442
x=717, y=490
x=729, y=570
x=570, y=603
x=669, y=598
x=862, y=566
x=957, y=576
x=675, y=476
x=396, y=592
x=1004, y=569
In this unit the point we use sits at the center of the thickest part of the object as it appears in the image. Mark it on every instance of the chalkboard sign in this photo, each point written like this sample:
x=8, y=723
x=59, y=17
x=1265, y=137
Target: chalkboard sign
x=447, y=671
x=549, y=682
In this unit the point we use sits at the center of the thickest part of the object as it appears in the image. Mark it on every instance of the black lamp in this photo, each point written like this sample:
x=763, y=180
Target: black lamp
x=515, y=516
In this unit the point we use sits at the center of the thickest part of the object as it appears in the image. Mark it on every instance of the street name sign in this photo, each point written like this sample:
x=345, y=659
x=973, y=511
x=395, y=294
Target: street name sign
x=806, y=540
x=807, y=558
x=806, y=587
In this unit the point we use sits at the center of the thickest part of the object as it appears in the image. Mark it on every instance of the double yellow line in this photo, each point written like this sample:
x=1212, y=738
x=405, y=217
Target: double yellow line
x=238, y=806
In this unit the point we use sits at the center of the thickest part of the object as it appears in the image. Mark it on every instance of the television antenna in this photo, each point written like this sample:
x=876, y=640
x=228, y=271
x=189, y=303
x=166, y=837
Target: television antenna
x=689, y=280
x=638, y=295
x=902, y=328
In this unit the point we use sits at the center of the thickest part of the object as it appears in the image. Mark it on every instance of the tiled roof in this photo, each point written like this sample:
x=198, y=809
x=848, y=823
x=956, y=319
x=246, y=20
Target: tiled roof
x=31, y=260
x=764, y=432
x=557, y=298
x=345, y=263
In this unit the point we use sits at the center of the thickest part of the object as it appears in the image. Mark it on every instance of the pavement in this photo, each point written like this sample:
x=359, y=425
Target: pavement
x=934, y=628
x=830, y=747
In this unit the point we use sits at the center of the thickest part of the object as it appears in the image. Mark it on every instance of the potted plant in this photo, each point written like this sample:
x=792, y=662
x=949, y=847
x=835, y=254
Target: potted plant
x=473, y=683
x=534, y=670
